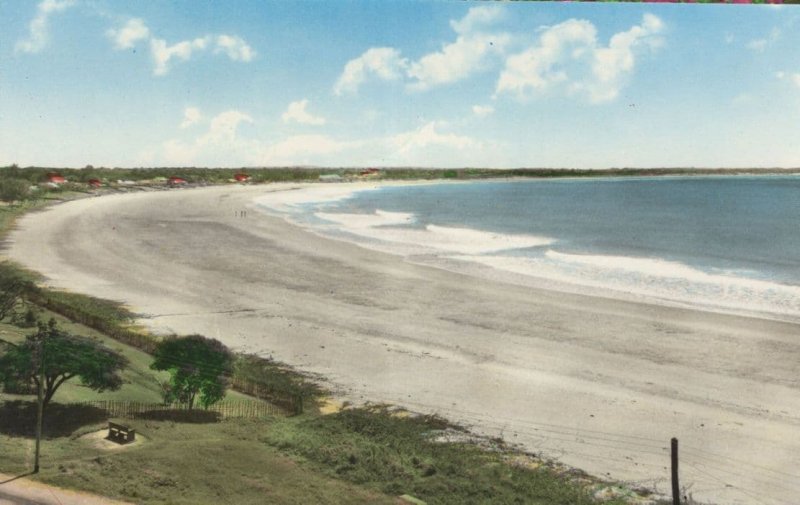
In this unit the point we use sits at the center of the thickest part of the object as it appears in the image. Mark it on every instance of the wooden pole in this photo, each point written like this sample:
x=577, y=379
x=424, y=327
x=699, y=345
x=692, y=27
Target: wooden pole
x=676, y=493
x=39, y=407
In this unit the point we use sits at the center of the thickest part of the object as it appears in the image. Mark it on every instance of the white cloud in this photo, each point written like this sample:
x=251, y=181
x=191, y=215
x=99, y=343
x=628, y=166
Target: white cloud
x=759, y=45
x=38, y=28
x=482, y=110
x=476, y=17
x=191, y=116
x=427, y=136
x=135, y=30
x=568, y=56
x=220, y=145
x=468, y=54
x=162, y=53
x=297, y=112
x=236, y=48
x=383, y=62
x=127, y=36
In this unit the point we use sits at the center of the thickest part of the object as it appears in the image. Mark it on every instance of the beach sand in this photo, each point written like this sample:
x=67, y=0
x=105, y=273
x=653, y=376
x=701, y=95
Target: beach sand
x=600, y=384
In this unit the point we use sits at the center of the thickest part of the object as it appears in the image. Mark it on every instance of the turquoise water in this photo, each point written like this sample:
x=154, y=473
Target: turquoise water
x=723, y=242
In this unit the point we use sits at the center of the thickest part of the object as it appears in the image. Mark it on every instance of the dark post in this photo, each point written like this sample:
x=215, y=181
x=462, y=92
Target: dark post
x=39, y=406
x=676, y=493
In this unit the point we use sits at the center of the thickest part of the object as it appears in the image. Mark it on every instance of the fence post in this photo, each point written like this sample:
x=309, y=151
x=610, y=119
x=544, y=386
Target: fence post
x=676, y=493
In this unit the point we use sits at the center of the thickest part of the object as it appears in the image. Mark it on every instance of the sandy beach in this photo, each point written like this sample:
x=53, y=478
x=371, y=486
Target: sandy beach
x=599, y=384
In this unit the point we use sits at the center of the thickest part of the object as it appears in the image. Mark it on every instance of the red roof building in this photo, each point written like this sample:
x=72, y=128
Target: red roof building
x=242, y=177
x=95, y=183
x=176, y=181
x=56, y=178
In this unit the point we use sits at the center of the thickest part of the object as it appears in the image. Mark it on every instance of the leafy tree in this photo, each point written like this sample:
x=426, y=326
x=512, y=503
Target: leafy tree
x=13, y=189
x=63, y=357
x=196, y=364
x=12, y=287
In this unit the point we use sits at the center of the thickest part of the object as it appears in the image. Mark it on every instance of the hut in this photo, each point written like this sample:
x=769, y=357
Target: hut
x=241, y=177
x=95, y=183
x=55, y=178
x=176, y=181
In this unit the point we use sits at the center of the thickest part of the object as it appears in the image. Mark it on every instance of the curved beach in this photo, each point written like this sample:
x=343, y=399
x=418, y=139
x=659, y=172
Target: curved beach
x=600, y=384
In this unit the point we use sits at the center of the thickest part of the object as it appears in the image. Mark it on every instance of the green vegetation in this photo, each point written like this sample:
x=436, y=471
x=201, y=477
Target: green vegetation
x=183, y=464
x=399, y=454
x=52, y=356
x=196, y=364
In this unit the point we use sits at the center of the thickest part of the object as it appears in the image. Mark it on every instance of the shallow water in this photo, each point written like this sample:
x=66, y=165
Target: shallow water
x=728, y=243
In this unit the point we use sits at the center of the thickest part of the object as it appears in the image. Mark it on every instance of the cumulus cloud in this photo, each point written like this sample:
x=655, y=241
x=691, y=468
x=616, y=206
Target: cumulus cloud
x=469, y=53
x=456, y=60
x=135, y=30
x=482, y=110
x=162, y=53
x=219, y=145
x=568, y=56
x=191, y=116
x=385, y=63
x=38, y=29
x=236, y=48
x=296, y=112
x=127, y=36
x=426, y=136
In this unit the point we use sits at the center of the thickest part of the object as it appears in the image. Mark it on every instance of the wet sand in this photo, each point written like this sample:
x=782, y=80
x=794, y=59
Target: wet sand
x=600, y=384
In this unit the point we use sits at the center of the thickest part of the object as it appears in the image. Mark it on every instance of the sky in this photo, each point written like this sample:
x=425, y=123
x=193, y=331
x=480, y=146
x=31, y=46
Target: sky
x=398, y=83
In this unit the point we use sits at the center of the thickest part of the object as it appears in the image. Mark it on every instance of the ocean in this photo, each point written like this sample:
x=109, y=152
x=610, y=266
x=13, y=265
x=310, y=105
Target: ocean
x=729, y=244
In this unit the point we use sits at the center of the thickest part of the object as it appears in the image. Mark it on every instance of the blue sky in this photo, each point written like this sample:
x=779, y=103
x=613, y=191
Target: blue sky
x=398, y=83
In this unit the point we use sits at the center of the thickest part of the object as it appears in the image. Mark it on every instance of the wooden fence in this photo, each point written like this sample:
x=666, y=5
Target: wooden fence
x=249, y=409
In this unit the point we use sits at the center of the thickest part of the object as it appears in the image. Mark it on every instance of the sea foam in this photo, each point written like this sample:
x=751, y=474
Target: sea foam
x=383, y=226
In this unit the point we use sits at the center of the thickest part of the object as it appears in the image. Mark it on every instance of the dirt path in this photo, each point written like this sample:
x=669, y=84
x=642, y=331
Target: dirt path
x=23, y=491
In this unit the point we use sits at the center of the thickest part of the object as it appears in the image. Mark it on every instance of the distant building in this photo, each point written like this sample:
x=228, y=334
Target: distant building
x=55, y=178
x=95, y=183
x=370, y=171
x=241, y=177
x=176, y=181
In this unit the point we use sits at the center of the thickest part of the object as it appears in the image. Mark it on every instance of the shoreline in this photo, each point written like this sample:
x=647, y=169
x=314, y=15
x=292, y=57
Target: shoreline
x=458, y=263
x=505, y=359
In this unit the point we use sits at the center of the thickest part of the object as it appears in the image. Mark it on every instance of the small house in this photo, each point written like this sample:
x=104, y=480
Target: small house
x=369, y=172
x=241, y=177
x=55, y=178
x=95, y=183
x=176, y=181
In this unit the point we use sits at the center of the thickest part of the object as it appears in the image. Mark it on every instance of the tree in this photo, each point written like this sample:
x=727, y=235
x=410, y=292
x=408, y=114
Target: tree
x=12, y=189
x=63, y=356
x=196, y=364
x=12, y=286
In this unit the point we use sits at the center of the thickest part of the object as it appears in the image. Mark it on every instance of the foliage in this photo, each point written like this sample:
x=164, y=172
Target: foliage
x=272, y=381
x=13, y=189
x=196, y=364
x=398, y=454
x=13, y=285
x=63, y=356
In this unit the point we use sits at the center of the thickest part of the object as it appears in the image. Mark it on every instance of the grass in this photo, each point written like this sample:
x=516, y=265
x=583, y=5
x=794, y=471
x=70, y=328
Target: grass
x=185, y=464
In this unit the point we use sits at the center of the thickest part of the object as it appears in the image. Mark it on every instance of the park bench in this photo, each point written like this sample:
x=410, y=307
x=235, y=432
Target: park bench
x=121, y=434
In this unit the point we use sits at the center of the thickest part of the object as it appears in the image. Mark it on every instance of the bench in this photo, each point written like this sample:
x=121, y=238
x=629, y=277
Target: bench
x=121, y=434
